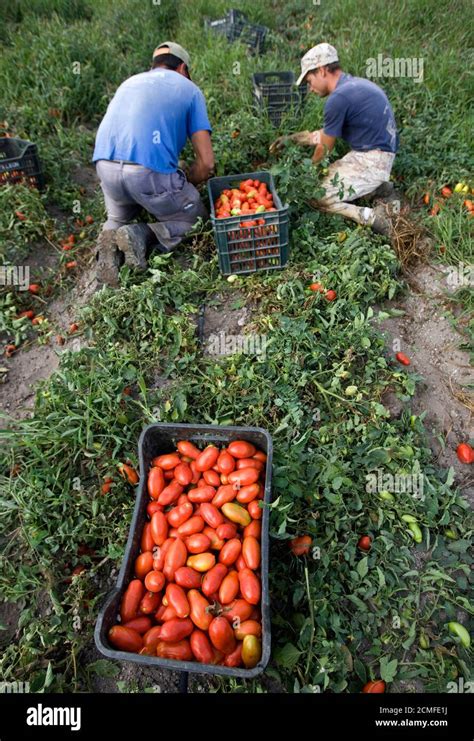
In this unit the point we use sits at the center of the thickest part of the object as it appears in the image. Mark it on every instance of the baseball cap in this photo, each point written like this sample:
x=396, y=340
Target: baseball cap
x=169, y=47
x=316, y=57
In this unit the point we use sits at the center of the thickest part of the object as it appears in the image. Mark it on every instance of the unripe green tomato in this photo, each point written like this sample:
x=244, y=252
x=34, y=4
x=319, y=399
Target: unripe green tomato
x=416, y=532
x=387, y=496
x=424, y=641
x=350, y=390
x=461, y=632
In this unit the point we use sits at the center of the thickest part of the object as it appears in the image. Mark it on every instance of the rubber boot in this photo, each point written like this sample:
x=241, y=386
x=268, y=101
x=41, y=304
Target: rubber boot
x=108, y=259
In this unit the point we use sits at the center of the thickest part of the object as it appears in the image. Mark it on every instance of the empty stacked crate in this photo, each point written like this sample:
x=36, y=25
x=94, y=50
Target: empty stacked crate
x=277, y=94
x=235, y=26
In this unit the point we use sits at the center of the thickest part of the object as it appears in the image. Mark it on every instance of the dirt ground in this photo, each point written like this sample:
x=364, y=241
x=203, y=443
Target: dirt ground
x=430, y=340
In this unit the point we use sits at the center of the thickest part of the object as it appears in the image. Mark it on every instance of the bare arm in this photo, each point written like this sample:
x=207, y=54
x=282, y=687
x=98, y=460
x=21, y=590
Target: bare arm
x=201, y=169
x=303, y=138
x=324, y=145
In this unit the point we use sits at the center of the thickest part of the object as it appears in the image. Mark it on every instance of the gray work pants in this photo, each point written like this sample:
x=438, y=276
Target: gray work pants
x=170, y=198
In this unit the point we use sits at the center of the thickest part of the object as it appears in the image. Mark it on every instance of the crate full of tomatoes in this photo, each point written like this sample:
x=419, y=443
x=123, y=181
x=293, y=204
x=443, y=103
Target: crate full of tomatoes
x=250, y=223
x=19, y=163
x=192, y=593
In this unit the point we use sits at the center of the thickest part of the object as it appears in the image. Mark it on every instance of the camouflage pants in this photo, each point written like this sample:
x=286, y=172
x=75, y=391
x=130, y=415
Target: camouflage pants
x=355, y=175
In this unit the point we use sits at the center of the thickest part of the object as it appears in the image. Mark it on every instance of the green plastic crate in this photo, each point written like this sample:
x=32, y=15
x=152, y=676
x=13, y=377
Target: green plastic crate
x=249, y=249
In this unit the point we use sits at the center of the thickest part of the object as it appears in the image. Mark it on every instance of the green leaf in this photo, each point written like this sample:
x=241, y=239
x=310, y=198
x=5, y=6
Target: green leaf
x=288, y=656
x=388, y=669
x=363, y=567
x=104, y=668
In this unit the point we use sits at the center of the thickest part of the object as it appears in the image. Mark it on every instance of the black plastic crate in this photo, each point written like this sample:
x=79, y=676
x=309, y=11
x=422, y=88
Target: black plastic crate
x=221, y=26
x=276, y=94
x=252, y=34
x=247, y=249
x=19, y=163
x=155, y=440
x=235, y=26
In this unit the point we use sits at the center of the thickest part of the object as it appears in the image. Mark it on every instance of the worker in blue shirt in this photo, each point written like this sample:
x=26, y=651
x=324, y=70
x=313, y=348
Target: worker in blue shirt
x=137, y=148
x=359, y=112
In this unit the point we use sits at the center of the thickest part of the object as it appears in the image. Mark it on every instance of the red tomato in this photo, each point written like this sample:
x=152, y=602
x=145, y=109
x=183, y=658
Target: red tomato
x=155, y=581
x=224, y=494
x=226, y=531
x=170, y=493
x=238, y=611
x=167, y=462
x=140, y=624
x=202, y=494
x=465, y=453
x=125, y=639
x=216, y=542
x=254, y=510
x=212, y=478
x=446, y=192
x=207, y=458
x=250, y=587
x=260, y=456
x=241, y=449
x=159, y=554
x=183, y=474
x=143, y=564
x=213, y=579
x=201, y=647
x=188, y=578
x=159, y=528
x=250, y=463
x=222, y=635
x=199, y=609
x=131, y=600
x=230, y=552
x=317, y=287
x=234, y=658
x=229, y=588
x=177, y=600
x=177, y=650
x=176, y=629
x=364, y=543
x=178, y=515
x=211, y=515
x=300, y=546
x=248, y=628
x=251, y=552
x=151, y=637
x=248, y=493
x=402, y=358
x=244, y=477
x=149, y=603
x=196, y=474
x=153, y=507
x=198, y=543
x=187, y=448
x=241, y=563
x=254, y=529
x=194, y=525
x=176, y=557
x=201, y=561
x=374, y=687
x=330, y=295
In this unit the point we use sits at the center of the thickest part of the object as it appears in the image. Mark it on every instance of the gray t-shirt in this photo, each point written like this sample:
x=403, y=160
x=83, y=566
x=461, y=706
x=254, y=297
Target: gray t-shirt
x=360, y=113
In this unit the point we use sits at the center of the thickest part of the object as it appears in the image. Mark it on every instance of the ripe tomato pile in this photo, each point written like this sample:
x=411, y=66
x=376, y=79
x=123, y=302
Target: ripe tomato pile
x=197, y=589
x=250, y=199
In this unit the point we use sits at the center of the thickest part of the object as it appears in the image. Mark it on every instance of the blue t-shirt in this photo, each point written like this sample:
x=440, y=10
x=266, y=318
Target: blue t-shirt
x=150, y=118
x=359, y=112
